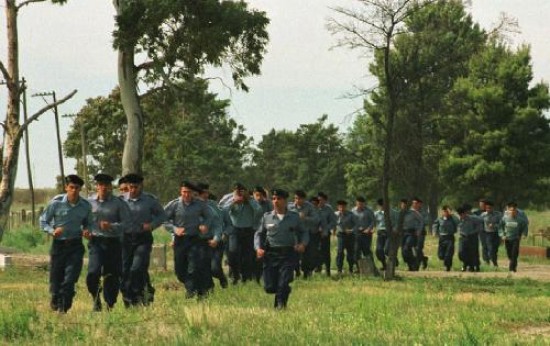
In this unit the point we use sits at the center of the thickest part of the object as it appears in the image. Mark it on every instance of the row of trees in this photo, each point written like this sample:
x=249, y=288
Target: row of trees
x=469, y=122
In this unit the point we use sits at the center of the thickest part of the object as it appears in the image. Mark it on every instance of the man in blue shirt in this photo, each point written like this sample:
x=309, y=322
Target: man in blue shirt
x=346, y=225
x=111, y=215
x=66, y=218
x=146, y=214
x=244, y=213
x=365, y=228
x=328, y=222
x=187, y=219
x=278, y=240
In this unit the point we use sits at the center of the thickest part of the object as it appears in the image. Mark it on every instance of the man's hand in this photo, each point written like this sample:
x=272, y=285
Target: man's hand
x=260, y=253
x=203, y=229
x=212, y=243
x=300, y=248
x=147, y=227
x=57, y=232
x=87, y=234
x=179, y=231
x=104, y=225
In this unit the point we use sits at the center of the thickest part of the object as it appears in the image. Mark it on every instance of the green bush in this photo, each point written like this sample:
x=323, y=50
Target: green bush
x=25, y=238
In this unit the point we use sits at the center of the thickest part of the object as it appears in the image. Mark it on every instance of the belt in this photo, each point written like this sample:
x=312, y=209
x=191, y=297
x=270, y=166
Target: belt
x=66, y=242
x=281, y=250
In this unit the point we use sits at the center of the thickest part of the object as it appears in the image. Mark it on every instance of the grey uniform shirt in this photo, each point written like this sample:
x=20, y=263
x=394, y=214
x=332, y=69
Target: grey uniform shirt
x=491, y=221
x=311, y=219
x=445, y=225
x=328, y=218
x=72, y=217
x=144, y=209
x=189, y=216
x=413, y=221
x=345, y=222
x=112, y=209
x=285, y=232
x=364, y=219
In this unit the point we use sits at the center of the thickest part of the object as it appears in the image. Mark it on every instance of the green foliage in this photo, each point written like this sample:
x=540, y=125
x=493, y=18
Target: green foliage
x=499, y=143
x=468, y=123
x=181, y=37
x=188, y=135
x=312, y=158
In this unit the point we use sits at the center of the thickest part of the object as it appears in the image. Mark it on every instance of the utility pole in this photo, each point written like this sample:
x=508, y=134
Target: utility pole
x=27, y=151
x=59, y=149
x=79, y=121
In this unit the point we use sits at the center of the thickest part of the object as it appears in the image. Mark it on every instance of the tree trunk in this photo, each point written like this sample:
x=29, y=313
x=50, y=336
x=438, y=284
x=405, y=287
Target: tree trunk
x=10, y=149
x=127, y=79
x=133, y=146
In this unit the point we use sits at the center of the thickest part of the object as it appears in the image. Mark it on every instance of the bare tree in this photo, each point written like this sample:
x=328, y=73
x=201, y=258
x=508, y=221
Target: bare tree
x=13, y=129
x=371, y=26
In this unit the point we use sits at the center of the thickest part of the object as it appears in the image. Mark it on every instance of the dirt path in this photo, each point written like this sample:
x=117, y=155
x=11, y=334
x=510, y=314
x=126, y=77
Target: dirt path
x=525, y=271
x=540, y=272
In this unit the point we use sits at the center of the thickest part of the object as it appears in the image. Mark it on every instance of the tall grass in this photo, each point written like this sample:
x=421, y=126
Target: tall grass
x=346, y=311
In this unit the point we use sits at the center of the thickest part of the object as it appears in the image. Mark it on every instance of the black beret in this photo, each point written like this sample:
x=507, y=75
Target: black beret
x=416, y=199
x=201, y=187
x=300, y=193
x=238, y=186
x=103, y=178
x=489, y=203
x=74, y=179
x=279, y=193
x=322, y=195
x=189, y=185
x=361, y=199
x=133, y=178
x=380, y=201
x=314, y=199
x=122, y=180
x=341, y=202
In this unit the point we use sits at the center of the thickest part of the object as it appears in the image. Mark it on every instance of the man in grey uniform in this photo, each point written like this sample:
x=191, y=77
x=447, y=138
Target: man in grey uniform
x=187, y=219
x=111, y=216
x=278, y=240
x=66, y=218
x=146, y=214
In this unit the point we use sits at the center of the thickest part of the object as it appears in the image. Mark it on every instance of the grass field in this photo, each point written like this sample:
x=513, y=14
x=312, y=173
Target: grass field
x=346, y=311
x=351, y=310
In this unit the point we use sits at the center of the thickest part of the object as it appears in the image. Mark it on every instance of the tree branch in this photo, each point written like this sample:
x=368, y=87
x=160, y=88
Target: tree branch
x=28, y=2
x=145, y=66
x=6, y=75
x=42, y=111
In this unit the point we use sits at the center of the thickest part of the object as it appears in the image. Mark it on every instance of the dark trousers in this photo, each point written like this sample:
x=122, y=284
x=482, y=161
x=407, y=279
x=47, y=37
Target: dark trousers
x=382, y=248
x=512, y=251
x=65, y=266
x=420, y=245
x=446, y=250
x=409, y=249
x=324, y=252
x=279, y=267
x=484, y=246
x=192, y=264
x=346, y=242
x=310, y=259
x=136, y=254
x=216, y=263
x=104, y=259
x=363, y=244
x=493, y=243
x=241, y=254
x=468, y=251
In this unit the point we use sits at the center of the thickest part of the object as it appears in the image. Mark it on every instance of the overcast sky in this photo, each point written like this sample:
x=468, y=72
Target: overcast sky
x=70, y=47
